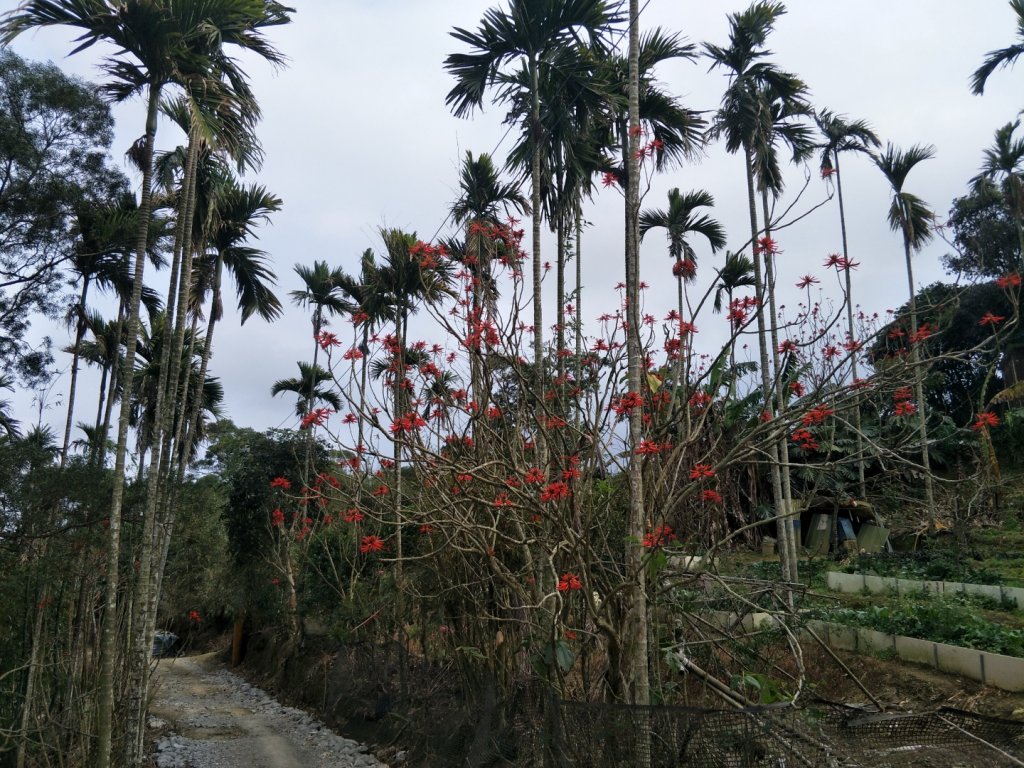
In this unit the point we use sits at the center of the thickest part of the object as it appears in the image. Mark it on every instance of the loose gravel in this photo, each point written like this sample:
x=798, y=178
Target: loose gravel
x=207, y=717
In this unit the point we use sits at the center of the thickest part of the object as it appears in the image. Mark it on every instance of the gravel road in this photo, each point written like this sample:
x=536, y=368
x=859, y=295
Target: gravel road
x=211, y=718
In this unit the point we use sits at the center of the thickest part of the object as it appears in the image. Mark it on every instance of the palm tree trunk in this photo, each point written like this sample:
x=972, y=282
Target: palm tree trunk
x=922, y=407
x=780, y=396
x=781, y=513
x=635, y=646
x=105, y=703
x=170, y=357
x=76, y=354
x=538, y=313
x=861, y=483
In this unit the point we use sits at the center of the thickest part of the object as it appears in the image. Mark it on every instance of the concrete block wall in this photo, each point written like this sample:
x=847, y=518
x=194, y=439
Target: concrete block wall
x=855, y=582
x=1003, y=672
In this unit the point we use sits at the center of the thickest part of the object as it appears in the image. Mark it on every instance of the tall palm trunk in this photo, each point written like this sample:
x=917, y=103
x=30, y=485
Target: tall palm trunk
x=922, y=407
x=170, y=365
x=781, y=513
x=634, y=631
x=75, y=357
x=780, y=395
x=105, y=703
x=861, y=483
x=538, y=313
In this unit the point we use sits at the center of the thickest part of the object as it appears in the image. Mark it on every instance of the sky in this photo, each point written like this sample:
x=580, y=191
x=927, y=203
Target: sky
x=357, y=137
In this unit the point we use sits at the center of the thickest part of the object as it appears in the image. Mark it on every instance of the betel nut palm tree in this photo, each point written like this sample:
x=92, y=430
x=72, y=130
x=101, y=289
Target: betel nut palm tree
x=761, y=105
x=910, y=216
x=159, y=45
x=841, y=136
x=527, y=34
x=1001, y=57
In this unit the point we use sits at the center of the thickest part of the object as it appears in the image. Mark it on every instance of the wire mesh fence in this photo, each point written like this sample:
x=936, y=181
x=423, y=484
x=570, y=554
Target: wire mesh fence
x=592, y=735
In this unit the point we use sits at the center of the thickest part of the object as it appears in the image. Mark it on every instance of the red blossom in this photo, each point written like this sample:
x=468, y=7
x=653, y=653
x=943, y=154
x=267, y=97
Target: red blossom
x=701, y=470
x=797, y=388
x=684, y=268
x=627, y=402
x=502, y=500
x=712, y=497
x=277, y=518
x=371, y=544
x=989, y=319
x=816, y=415
x=281, y=482
x=807, y=281
x=326, y=339
x=555, y=491
x=353, y=515
x=658, y=537
x=904, y=408
x=194, y=617
x=535, y=475
x=984, y=420
x=767, y=245
x=317, y=417
x=609, y=179
x=569, y=581
x=1011, y=280
x=787, y=346
x=700, y=398
x=922, y=333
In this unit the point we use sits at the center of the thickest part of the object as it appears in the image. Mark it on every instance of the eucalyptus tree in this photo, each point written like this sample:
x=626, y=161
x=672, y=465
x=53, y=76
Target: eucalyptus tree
x=762, y=106
x=845, y=136
x=529, y=35
x=913, y=219
x=1001, y=57
x=680, y=220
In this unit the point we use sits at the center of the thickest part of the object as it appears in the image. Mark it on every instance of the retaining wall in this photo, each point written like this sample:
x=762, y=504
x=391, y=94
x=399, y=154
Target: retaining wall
x=855, y=582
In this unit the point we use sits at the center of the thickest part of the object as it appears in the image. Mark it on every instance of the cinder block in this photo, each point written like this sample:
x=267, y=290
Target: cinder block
x=1005, y=672
x=916, y=651
x=845, y=582
x=1014, y=595
x=959, y=661
x=908, y=586
x=842, y=638
x=984, y=590
x=877, y=585
x=872, y=640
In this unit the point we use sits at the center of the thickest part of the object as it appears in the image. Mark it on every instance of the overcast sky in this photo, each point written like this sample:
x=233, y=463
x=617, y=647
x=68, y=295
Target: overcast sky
x=357, y=136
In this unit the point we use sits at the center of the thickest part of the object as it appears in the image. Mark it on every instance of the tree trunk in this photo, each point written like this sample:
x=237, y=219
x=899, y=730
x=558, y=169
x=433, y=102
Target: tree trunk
x=781, y=513
x=635, y=649
x=861, y=483
x=72, y=387
x=922, y=407
x=105, y=703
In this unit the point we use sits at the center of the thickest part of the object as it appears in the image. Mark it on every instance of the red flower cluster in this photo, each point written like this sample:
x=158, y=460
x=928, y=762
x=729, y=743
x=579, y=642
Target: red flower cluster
x=816, y=415
x=767, y=245
x=411, y=422
x=277, y=518
x=807, y=281
x=684, y=268
x=535, y=475
x=711, y=497
x=984, y=420
x=627, y=402
x=700, y=398
x=658, y=537
x=502, y=500
x=922, y=333
x=989, y=319
x=353, y=515
x=805, y=439
x=649, y=448
x=904, y=408
x=371, y=544
x=281, y=482
x=837, y=261
x=555, y=491
x=1011, y=280
x=569, y=581
x=701, y=470
x=327, y=339
x=194, y=617
x=317, y=417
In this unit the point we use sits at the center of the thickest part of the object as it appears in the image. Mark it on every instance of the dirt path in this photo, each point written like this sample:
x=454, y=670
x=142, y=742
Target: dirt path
x=217, y=720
